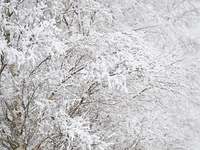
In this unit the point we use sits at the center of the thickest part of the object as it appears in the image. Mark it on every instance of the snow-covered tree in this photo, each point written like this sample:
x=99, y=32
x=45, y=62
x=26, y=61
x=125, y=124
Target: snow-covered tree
x=38, y=67
x=99, y=74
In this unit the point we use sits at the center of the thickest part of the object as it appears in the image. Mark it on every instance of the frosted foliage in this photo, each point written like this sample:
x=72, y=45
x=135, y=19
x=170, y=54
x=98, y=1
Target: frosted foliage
x=99, y=75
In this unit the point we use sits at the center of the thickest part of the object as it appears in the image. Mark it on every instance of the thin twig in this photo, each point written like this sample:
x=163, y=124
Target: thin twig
x=141, y=92
x=39, y=65
x=145, y=27
x=73, y=73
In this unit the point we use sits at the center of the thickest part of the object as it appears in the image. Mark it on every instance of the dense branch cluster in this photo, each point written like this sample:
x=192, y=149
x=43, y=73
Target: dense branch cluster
x=92, y=74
